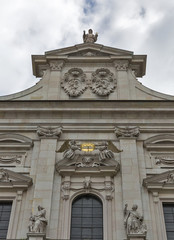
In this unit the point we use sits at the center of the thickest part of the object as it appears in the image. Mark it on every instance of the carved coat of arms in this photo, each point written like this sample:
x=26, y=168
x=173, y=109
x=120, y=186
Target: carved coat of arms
x=103, y=82
x=74, y=83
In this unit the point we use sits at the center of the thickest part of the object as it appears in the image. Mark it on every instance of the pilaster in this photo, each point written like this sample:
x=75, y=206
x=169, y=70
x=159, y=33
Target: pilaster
x=129, y=164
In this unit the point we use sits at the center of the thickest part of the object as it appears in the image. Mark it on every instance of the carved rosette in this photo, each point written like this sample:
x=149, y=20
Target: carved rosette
x=103, y=82
x=74, y=82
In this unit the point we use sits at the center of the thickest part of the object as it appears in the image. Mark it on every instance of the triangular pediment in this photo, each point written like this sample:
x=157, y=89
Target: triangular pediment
x=11, y=179
x=160, y=181
x=89, y=50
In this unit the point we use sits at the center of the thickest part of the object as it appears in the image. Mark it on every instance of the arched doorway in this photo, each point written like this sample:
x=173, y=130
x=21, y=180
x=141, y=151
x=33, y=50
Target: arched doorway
x=87, y=218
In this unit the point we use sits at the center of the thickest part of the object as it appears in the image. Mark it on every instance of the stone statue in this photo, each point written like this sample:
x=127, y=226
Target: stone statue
x=90, y=37
x=38, y=222
x=134, y=221
x=104, y=152
x=70, y=152
x=4, y=177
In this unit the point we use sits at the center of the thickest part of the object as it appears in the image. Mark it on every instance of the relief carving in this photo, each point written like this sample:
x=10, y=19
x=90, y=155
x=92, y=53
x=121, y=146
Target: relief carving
x=75, y=155
x=170, y=178
x=102, y=82
x=49, y=132
x=127, y=132
x=133, y=221
x=57, y=65
x=121, y=65
x=8, y=159
x=74, y=82
x=38, y=222
x=4, y=176
x=166, y=160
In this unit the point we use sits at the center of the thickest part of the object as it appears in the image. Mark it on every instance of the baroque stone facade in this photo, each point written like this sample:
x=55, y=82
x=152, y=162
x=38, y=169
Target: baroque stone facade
x=87, y=130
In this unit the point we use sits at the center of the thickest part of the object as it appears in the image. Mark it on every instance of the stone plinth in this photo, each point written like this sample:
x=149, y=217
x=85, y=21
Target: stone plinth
x=136, y=237
x=36, y=236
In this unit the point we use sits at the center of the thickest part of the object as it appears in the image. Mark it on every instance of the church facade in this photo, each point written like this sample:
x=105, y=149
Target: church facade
x=88, y=152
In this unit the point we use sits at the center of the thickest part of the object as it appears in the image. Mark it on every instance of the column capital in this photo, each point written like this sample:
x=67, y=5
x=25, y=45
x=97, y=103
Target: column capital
x=56, y=65
x=121, y=65
x=127, y=132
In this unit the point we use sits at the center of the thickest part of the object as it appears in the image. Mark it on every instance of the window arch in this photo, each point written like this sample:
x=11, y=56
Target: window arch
x=87, y=218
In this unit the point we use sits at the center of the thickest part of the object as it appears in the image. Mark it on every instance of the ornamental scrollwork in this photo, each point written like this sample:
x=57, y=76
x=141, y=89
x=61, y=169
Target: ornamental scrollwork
x=49, y=132
x=74, y=82
x=103, y=82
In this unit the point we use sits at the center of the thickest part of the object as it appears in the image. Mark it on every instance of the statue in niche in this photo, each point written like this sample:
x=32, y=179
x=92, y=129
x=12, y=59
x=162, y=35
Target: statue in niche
x=134, y=221
x=38, y=222
x=89, y=37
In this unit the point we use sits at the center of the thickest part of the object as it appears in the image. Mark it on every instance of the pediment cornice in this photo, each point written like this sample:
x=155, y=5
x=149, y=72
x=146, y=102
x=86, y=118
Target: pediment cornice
x=160, y=181
x=88, y=53
x=13, y=180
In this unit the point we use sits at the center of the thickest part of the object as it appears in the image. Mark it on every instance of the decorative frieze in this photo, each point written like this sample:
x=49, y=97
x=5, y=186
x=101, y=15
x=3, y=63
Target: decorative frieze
x=56, y=65
x=49, y=132
x=103, y=82
x=127, y=132
x=166, y=160
x=121, y=65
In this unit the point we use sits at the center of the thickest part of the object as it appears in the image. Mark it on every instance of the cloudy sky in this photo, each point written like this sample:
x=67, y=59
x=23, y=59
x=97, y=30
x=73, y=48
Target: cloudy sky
x=35, y=26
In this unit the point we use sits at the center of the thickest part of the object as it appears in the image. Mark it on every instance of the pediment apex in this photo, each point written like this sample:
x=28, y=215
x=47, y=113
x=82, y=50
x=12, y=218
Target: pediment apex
x=11, y=179
x=88, y=47
x=160, y=181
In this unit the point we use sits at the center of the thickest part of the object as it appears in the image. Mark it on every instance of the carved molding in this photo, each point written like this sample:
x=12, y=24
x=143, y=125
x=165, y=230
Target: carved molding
x=166, y=160
x=74, y=82
x=102, y=82
x=121, y=65
x=87, y=185
x=57, y=65
x=127, y=132
x=8, y=159
x=49, y=132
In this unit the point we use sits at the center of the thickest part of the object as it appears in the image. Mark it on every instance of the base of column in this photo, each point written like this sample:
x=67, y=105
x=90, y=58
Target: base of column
x=136, y=237
x=36, y=236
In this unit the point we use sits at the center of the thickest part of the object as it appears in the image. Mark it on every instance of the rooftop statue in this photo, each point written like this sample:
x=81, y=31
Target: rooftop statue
x=89, y=37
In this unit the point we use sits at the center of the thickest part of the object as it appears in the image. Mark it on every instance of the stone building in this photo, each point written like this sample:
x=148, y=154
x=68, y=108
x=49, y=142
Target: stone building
x=88, y=152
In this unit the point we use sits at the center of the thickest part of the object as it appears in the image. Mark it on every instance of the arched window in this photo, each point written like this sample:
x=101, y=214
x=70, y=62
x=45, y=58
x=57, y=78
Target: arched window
x=87, y=218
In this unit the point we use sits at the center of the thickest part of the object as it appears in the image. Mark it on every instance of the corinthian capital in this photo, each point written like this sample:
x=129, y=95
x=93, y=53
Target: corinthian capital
x=121, y=65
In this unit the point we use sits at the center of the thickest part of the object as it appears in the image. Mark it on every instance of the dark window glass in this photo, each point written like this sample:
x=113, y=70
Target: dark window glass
x=169, y=219
x=5, y=211
x=87, y=218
